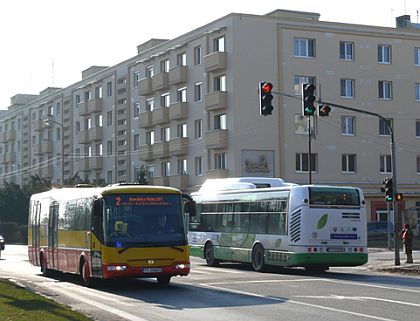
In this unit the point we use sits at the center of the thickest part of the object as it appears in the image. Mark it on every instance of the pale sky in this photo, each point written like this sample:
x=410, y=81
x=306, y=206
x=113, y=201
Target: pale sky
x=47, y=43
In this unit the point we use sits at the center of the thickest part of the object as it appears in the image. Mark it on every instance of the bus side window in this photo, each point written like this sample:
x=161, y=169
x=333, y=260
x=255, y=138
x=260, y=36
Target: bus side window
x=97, y=226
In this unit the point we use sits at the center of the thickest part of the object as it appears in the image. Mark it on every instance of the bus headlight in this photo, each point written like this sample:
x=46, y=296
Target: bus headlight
x=182, y=266
x=116, y=268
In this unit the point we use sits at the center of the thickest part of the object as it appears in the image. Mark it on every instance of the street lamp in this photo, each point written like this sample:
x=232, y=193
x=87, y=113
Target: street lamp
x=49, y=121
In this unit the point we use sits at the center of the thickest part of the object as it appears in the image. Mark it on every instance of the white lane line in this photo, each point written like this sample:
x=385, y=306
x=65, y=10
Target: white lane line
x=120, y=313
x=356, y=298
x=368, y=316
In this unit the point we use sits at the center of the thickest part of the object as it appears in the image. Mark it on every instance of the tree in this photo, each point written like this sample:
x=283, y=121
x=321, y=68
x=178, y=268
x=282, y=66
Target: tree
x=142, y=176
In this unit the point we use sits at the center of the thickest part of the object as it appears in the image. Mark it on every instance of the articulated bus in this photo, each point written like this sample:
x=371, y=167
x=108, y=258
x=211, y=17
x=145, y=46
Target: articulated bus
x=110, y=232
x=269, y=222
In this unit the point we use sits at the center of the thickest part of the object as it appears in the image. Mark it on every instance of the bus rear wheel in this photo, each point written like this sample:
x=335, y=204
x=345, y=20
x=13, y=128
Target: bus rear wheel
x=258, y=263
x=209, y=255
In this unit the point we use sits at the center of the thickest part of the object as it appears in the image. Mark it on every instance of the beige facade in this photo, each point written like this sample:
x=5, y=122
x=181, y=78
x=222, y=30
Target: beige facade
x=187, y=109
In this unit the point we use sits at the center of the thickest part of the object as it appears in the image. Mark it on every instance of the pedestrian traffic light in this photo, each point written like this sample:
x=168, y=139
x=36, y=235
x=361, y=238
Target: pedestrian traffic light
x=398, y=197
x=308, y=100
x=324, y=110
x=264, y=92
x=388, y=189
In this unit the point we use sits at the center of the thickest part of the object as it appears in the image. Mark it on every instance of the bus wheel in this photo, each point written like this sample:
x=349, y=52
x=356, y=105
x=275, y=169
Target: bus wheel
x=86, y=280
x=209, y=255
x=44, y=270
x=258, y=263
x=163, y=280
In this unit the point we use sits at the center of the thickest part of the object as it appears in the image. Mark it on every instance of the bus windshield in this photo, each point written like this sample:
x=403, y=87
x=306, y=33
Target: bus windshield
x=143, y=220
x=331, y=196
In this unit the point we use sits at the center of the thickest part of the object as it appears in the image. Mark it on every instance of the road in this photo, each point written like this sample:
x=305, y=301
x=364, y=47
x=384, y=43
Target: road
x=232, y=292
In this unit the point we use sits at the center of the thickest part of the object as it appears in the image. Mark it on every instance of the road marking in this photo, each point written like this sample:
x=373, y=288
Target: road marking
x=120, y=313
x=374, y=317
x=356, y=298
x=205, y=268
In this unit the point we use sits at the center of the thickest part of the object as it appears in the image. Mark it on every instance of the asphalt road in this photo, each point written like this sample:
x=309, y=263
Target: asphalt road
x=233, y=292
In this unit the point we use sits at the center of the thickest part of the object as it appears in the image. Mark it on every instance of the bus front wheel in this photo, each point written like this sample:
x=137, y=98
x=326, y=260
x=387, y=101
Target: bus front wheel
x=209, y=255
x=258, y=263
x=86, y=280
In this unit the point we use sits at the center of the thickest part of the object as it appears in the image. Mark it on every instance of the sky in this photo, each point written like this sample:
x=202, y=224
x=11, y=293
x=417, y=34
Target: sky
x=48, y=43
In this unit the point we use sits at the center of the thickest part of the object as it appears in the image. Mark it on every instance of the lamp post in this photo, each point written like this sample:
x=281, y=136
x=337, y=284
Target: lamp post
x=49, y=121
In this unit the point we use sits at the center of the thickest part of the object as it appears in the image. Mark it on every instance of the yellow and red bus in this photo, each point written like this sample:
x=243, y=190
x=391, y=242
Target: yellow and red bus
x=110, y=232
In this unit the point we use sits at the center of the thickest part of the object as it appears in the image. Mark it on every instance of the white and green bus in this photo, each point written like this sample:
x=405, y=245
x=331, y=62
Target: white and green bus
x=269, y=222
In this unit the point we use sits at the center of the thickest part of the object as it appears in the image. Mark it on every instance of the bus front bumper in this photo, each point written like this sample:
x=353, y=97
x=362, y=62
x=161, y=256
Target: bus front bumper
x=124, y=270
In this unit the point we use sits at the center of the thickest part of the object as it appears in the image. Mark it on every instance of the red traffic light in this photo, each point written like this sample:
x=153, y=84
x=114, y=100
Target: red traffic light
x=266, y=87
x=324, y=110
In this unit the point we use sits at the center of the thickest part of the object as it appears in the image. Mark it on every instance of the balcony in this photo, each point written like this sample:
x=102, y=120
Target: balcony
x=38, y=125
x=161, y=150
x=46, y=172
x=217, y=138
x=161, y=181
x=178, y=181
x=145, y=119
x=145, y=86
x=93, y=105
x=216, y=173
x=9, y=157
x=46, y=147
x=83, y=136
x=178, y=75
x=95, y=162
x=215, y=61
x=84, y=164
x=160, y=115
x=178, y=146
x=178, y=110
x=160, y=81
x=146, y=152
x=95, y=134
x=215, y=101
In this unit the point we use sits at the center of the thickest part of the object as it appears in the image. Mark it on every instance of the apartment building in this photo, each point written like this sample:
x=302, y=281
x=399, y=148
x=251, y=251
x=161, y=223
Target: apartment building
x=187, y=109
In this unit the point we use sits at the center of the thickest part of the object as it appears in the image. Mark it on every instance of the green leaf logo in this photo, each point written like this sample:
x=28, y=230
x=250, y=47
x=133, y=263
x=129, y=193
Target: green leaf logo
x=322, y=221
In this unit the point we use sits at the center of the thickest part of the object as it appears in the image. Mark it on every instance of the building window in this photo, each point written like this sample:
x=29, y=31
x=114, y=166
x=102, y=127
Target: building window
x=346, y=50
x=137, y=142
x=182, y=130
x=165, y=100
x=220, y=122
x=302, y=162
x=347, y=88
x=181, y=59
x=109, y=89
x=198, y=91
x=383, y=127
x=98, y=149
x=348, y=125
x=418, y=164
x=198, y=129
x=384, y=54
x=219, y=44
x=109, y=177
x=417, y=89
x=98, y=92
x=136, y=77
x=197, y=55
x=220, y=161
x=417, y=128
x=385, y=164
x=182, y=167
x=198, y=166
x=417, y=56
x=220, y=83
x=150, y=71
x=164, y=65
x=304, y=48
x=348, y=163
x=150, y=104
x=150, y=137
x=150, y=171
x=109, y=118
x=98, y=121
x=182, y=95
x=299, y=80
x=385, y=90
x=165, y=134
x=109, y=147
x=166, y=169
x=136, y=109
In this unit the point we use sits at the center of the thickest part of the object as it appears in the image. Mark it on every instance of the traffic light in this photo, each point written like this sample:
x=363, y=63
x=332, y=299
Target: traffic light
x=323, y=110
x=399, y=197
x=388, y=189
x=266, y=97
x=308, y=100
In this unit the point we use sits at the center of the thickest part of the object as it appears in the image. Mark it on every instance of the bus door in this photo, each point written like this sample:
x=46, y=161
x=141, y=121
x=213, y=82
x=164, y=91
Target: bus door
x=35, y=220
x=96, y=238
x=52, y=235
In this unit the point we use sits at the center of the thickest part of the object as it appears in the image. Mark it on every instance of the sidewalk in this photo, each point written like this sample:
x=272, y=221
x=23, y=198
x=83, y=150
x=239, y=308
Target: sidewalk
x=383, y=260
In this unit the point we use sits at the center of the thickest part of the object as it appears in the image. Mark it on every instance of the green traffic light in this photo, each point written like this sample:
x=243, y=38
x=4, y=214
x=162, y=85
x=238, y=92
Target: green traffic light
x=310, y=110
x=388, y=198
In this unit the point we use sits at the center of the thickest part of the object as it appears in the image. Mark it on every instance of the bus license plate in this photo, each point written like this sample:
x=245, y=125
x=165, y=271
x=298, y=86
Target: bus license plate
x=335, y=249
x=152, y=270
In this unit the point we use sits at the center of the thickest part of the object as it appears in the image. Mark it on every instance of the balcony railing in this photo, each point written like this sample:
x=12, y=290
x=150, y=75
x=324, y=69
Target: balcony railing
x=216, y=138
x=215, y=61
x=216, y=100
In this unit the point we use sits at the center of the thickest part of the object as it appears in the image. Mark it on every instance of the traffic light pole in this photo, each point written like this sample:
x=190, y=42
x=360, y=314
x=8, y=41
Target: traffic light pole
x=309, y=150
